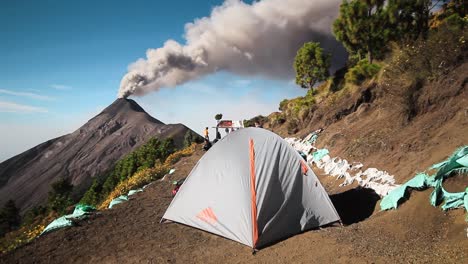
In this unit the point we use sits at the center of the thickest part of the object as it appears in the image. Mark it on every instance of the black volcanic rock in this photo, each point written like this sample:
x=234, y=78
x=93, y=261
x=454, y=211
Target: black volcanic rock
x=87, y=152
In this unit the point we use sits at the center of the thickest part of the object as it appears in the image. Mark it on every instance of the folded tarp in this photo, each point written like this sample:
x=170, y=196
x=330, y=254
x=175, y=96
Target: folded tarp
x=419, y=182
x=118, y=200
x=319, y=154
x=311, y=138
x=132, y=192
x=124, y=198
x=458, y=162
x=81, y=211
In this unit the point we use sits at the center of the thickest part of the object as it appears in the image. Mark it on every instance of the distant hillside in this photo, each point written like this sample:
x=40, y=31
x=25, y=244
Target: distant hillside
x=412, y=113
x=399, y=128
x=88, y=152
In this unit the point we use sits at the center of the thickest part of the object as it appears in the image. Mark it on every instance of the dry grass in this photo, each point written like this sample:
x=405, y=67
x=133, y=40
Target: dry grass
x=25, y=234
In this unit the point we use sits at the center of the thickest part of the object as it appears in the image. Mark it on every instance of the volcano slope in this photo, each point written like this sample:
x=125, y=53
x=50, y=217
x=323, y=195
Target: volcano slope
x=88, y=152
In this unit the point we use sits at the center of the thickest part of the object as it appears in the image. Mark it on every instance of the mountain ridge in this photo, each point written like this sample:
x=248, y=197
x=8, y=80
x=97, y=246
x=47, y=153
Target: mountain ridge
x=79, y=156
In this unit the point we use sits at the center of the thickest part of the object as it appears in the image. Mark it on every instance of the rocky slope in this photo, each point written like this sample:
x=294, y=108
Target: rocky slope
x=87, y=152
x=399, y=128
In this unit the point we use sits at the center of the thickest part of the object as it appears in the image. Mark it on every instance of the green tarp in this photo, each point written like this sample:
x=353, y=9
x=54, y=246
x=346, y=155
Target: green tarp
x=132, y=192
x=124, y=198
x=319, y=154
x=118, y=200
x=458, y=162
x=312, y=137
x=81, y=211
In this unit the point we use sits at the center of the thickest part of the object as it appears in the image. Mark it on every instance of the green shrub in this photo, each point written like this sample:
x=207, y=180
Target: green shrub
x=218, y=117
x=143, y=177
x=283, y=105
x=190, y=138
x=302, y=103
x=31, y=215
x=9, y=217
x=311, y=65
x=362, y=71
x=337, y=81
x=277, y=119
x=258, y=119
x=444, y=49
x=292, y=126
x=60, y=196
x=455, y=22
x=93, y=194
x=298, y=107
x=144, y=157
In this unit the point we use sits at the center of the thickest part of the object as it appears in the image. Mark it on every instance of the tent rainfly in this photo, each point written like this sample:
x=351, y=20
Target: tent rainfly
x=254, y=188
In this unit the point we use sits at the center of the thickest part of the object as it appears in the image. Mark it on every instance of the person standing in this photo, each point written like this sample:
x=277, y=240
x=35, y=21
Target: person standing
x=206, y=134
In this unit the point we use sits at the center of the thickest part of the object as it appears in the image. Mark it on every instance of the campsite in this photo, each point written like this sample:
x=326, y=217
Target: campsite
x=271, y=131
x=417, y=232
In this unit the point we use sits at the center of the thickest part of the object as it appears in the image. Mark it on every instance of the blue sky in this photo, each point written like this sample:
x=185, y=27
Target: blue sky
x=62, y=62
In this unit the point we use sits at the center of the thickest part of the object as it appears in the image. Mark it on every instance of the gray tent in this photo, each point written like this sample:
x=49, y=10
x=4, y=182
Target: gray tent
x=254, y=188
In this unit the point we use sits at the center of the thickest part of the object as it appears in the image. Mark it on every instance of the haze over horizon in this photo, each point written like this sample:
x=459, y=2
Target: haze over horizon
x=64, y=62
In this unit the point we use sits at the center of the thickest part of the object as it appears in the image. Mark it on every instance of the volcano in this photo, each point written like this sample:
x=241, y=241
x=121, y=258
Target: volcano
x=88, y=152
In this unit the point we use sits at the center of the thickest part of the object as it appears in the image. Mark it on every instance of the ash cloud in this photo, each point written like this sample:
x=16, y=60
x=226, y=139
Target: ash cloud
x=261, y=38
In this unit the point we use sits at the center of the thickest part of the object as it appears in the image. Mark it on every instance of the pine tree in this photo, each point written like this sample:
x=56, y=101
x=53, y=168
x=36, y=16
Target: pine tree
x=93, y=194
x=409, y=19
x=311, y=65
x=60, y=195
x=363, y=28
x=9, y=217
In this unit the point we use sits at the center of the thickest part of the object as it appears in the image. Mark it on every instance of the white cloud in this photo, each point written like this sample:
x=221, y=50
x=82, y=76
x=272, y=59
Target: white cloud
x=11, y=107
x=61, y=87
x=27, y=94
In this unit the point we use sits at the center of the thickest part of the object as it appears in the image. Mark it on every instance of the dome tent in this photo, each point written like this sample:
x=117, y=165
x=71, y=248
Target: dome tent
x=254, y=188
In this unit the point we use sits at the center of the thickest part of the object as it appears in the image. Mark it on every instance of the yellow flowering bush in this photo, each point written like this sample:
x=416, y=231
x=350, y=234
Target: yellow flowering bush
x=147, y=175
x=24, y=235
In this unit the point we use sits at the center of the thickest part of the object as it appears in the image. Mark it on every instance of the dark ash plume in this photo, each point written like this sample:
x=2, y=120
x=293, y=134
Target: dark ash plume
x=261, y=38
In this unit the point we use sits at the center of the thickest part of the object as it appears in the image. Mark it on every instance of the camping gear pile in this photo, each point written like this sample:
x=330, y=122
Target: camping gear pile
x=254, y=188
x=456, y=163
x=177, y=185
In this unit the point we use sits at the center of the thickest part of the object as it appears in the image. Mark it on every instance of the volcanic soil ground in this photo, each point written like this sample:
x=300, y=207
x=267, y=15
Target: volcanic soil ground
x=131, y=233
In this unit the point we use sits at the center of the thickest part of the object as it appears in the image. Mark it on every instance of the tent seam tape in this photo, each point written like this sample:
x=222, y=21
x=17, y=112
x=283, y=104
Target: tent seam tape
x=253, y=195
